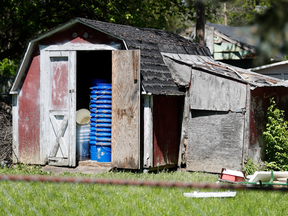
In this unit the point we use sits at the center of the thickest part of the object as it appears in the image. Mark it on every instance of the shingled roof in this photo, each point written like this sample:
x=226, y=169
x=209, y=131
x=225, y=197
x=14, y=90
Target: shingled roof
x=156, y=77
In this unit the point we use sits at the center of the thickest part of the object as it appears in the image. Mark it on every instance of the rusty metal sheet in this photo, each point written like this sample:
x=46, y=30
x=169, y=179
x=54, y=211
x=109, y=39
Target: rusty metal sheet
x=210, y=92
x=125, y=109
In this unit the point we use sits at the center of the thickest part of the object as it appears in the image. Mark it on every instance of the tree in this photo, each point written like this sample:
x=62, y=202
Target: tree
x=271, y=31
x=20, y=20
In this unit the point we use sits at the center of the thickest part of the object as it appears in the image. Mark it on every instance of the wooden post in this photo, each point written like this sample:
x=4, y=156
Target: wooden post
x=148, y=131
x=200, y=21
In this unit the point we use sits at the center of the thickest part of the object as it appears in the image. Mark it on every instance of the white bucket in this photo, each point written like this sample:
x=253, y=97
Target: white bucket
x=82, y=134
x=82, y=142
x=83, y=116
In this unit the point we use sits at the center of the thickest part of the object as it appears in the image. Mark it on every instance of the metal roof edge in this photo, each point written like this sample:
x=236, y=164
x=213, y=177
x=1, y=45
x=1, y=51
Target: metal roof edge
x=268, y=66
x=22, y=67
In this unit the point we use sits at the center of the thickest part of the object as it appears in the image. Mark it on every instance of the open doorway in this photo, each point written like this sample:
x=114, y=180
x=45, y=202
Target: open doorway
x=91, y=65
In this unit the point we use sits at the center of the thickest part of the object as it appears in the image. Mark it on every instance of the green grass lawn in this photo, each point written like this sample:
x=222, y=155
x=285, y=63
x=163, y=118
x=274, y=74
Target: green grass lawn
x=36, y=198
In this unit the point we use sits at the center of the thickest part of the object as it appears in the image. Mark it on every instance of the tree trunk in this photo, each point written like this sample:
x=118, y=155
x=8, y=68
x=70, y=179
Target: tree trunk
x=200, y=21
x=225, y=14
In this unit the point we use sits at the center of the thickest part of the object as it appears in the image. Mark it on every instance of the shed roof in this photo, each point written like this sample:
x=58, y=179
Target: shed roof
x=235, y=33
x=209, y=65
x=156, y=77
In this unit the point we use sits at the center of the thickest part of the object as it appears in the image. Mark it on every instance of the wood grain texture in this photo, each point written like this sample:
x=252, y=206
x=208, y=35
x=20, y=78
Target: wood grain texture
x=166, y=115
x=209, y=92
x=72, y=107
x=148, y=131
x=44, y=105
x=215, y=141
x=246, y=140
x=125, y=109
x=15, y=117
x=57, y=102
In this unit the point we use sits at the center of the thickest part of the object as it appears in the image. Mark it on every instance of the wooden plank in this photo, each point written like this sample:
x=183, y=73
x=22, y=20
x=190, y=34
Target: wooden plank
x=148, y=131
x=44, y=105
x=125, y=110
x=58, y=161
x=15, y=118
x=209, y=92
x=59, y=132
x=75, y=47
x=72, y=108
x=184, y=131
x=215, y=141
x=246, y=140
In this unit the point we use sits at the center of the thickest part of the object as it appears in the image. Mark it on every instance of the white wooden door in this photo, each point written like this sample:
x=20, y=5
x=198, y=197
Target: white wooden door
x=126, y=109
x=58, y=107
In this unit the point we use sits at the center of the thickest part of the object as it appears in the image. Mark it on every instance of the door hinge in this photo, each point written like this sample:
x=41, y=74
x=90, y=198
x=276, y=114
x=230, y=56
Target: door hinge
x=242, y=110
x=71, y=91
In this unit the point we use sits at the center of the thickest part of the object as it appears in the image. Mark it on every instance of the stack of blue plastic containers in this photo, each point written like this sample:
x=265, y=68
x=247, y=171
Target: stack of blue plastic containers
x=100, y=126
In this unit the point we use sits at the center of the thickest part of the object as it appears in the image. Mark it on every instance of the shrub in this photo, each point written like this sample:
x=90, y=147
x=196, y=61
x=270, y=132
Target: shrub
x=276, y=138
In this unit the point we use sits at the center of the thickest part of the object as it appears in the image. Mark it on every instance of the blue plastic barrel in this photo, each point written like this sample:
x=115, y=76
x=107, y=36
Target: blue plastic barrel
x=101, y=101
x=101, y=92
x=102, y=86
x=100, y=134
x=100, y=96
x=100, y=115
x=100, y=123
x=103, y=153
x=101, y=106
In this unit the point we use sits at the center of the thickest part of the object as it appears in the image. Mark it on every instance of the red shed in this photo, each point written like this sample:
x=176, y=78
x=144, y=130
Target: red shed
x=53, y=82
x=172, y=103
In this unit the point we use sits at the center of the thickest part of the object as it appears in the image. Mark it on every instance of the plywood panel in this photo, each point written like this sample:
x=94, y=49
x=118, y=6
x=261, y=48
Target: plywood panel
x=210, y=92
x=125, y=109
x=215, y=141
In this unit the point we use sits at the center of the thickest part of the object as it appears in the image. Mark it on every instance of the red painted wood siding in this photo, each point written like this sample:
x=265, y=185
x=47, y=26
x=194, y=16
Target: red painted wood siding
x=166, y=113
x=75, y=35
x=260, y=101
x=29, y=115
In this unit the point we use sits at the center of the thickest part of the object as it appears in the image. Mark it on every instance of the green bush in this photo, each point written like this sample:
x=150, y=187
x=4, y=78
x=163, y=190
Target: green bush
x=250, y=167
x=276, y=138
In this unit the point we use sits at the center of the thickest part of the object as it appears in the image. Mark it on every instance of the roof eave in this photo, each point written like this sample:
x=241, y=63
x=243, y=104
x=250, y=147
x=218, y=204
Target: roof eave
x=30, y=48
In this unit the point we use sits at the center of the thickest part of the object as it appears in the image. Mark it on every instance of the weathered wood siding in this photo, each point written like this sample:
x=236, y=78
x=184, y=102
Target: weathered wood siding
x=166, y=115
x=215, y=141
x=216, y=131
x=125, y=109
x=210, y=92
x=29, y=115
